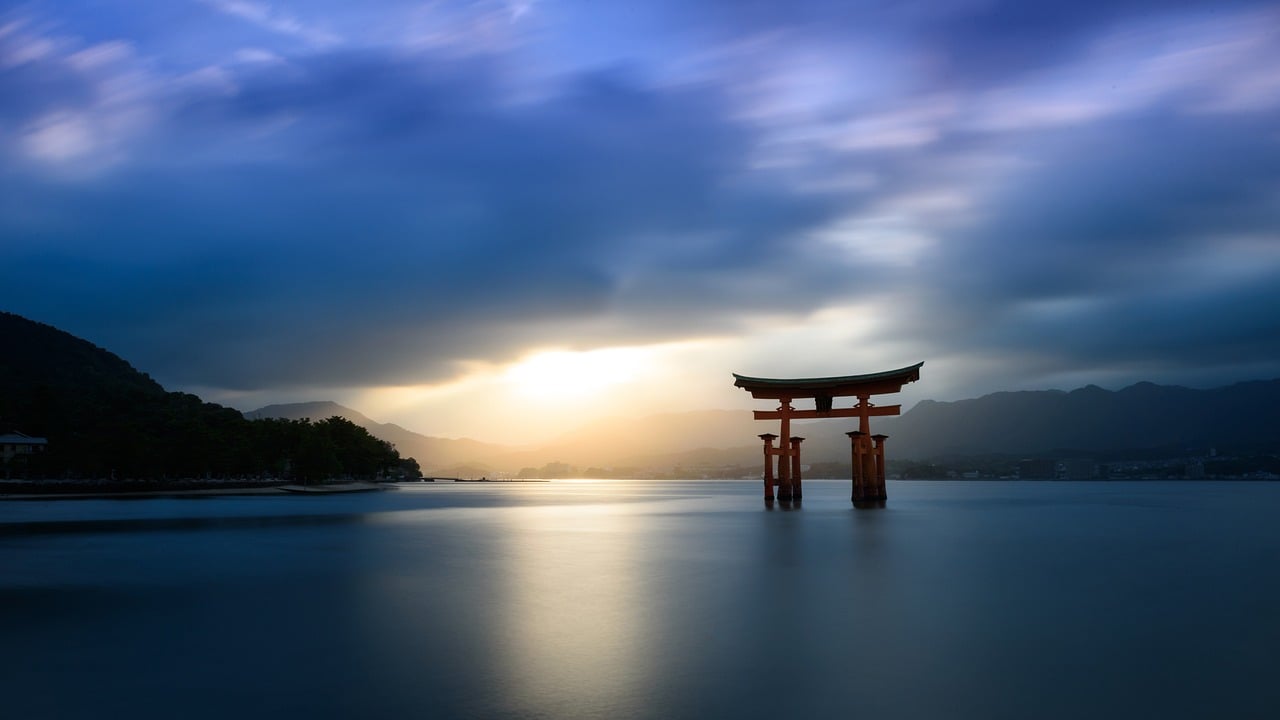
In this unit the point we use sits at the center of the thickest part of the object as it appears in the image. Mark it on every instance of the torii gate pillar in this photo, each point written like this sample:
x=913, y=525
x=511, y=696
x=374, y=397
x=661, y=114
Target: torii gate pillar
x=868, y=469
x=795, y=468
x=768, y=439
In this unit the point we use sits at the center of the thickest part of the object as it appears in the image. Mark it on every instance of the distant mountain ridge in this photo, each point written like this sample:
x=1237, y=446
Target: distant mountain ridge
x=99, y=407
x=611, y=442
x=1244, y=416
x=1240, y=417
x=442, y=454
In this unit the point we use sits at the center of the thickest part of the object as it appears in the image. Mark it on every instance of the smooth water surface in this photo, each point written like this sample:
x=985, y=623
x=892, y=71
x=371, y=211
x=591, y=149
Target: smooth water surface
x=648, y=600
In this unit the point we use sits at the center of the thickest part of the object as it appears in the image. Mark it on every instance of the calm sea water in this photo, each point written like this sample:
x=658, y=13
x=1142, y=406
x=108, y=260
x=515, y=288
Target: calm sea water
x=648, y=600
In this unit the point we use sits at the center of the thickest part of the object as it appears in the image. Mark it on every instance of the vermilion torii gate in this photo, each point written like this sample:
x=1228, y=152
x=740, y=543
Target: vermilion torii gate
x=867, y=449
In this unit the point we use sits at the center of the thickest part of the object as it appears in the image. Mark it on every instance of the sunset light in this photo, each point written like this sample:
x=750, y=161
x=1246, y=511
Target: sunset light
x=319, y=200
x=643, y=359
x=571, y=375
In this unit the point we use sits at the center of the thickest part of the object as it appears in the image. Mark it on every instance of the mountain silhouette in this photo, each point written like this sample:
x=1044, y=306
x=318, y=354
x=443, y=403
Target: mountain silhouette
x=442, y=456
x=1240, y=417
x=99, y=406
x=1144, y=417
x=103, y=419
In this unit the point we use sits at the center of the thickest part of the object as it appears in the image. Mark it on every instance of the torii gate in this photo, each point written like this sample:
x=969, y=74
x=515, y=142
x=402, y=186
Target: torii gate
x=867, y=449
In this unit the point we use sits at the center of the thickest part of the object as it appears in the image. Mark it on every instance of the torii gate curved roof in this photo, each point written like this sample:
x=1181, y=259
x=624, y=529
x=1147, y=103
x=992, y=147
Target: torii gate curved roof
x=888, y=381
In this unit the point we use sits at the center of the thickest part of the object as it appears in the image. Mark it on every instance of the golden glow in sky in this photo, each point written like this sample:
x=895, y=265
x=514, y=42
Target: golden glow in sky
x=547, y=392
x=570, y=375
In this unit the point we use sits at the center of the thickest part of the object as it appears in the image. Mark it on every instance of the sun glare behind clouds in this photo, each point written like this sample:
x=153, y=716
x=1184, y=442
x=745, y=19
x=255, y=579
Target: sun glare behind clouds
x=549, y=391
x=567, y=375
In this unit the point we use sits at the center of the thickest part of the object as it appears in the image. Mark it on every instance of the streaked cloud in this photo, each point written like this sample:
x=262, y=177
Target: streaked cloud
x=268, y=17
x=310, y=197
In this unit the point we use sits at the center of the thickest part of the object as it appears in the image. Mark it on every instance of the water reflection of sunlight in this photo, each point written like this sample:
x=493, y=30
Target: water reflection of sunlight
x=576, y=613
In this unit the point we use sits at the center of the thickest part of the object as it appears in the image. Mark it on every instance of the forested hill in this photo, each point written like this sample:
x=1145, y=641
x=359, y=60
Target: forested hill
x=105, y=419
x=443, y=456
x=39, y=354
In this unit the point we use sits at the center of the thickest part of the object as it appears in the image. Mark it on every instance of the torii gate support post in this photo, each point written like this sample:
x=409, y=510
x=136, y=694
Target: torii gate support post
x=859, y=494
x=784, y=452
x=768, y=465
x=869, y=489
x=795, y=468
x=868, y=469
x=882, y=493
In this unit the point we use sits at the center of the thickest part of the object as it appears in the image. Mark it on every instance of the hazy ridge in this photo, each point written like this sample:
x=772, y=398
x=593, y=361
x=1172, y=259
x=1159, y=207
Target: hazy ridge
x=64, y=386
x=1142, y=417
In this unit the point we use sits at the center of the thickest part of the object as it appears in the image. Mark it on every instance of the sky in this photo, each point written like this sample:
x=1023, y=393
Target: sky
x=502, y=220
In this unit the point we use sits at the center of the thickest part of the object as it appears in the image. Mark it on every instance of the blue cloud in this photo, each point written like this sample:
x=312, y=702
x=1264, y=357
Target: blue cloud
x=362, y=212
x=402, y=205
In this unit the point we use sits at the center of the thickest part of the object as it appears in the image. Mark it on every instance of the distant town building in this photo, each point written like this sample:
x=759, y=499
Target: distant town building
x=1077, y=469
x=16, y=444
x=1036, y=469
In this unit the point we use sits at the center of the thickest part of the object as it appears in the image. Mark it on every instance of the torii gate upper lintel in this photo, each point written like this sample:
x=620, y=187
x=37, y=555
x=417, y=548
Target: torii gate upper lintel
x=867, y=449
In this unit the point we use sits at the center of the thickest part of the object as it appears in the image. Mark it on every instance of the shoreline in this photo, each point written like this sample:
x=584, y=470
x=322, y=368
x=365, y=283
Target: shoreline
x=195, y=490
x=87, y=492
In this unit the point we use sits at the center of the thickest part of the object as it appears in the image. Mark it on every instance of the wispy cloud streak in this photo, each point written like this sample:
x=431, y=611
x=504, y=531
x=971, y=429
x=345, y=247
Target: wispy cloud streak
x=1027, y=192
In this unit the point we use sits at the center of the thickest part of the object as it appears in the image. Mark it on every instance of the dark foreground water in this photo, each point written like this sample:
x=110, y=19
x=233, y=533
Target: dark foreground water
x=648, y=600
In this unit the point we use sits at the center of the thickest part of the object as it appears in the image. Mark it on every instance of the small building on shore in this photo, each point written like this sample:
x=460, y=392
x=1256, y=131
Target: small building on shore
x=15, y=444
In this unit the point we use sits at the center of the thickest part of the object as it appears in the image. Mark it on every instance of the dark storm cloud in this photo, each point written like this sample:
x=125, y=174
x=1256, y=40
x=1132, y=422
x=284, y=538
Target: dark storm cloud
x=358, y=217
x=991, y=42
x=1112, y=206
x=1145, y=242
x=963, y=44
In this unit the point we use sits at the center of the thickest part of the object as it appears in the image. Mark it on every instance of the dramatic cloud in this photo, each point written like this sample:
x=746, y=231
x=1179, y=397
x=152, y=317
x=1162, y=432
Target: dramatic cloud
x=277, y=198
x=348, y=201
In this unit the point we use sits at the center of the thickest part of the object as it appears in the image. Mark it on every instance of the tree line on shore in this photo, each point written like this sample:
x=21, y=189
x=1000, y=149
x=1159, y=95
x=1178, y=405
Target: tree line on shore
x=105, y=420
x=182, y=438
